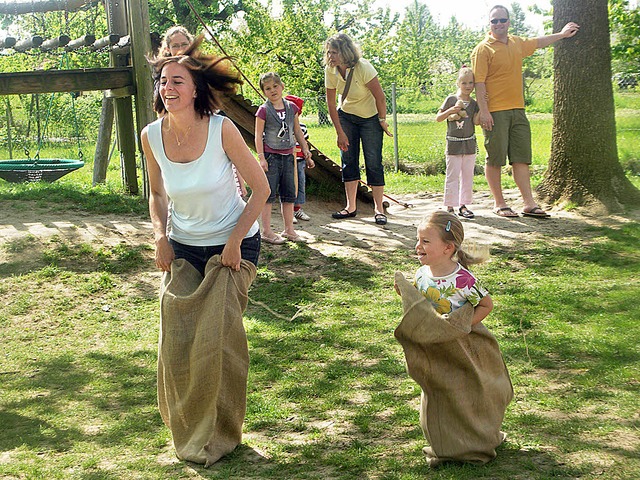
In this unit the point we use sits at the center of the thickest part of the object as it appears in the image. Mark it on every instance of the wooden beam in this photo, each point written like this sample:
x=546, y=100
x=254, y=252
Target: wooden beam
x=83, y=41
x=48, y=81
x=109, y=40
x=54, y=43
x=140, y=47
x=7, y=42
x=28, y=43
x=15, y=8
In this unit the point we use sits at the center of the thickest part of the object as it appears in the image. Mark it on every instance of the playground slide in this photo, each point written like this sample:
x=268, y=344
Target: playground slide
x=242, y=112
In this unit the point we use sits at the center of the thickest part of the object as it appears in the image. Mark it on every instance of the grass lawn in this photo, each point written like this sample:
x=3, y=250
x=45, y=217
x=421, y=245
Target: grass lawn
x=329, y=397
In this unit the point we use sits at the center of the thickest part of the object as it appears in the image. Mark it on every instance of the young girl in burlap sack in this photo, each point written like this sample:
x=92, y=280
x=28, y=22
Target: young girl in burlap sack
x=449, y=352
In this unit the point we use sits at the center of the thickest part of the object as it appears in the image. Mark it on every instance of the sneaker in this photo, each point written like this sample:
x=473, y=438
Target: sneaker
x=295, y=220
x=301, y=215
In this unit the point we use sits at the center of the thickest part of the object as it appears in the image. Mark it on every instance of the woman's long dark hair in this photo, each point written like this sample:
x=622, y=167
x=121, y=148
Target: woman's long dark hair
x=214, y=77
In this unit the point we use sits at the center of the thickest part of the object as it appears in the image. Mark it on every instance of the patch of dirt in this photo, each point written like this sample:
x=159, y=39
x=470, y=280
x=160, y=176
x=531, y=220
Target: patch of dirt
x=359, y=236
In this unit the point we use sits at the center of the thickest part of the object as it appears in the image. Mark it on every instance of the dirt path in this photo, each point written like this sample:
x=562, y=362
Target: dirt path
x=345, y=237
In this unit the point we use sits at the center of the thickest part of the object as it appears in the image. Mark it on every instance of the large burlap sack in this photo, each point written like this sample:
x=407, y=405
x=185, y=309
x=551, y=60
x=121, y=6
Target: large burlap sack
x=203, y=358
x=465, y=383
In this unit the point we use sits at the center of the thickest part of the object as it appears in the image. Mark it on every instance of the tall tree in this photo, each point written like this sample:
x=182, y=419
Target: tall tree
x=416, y=44
x=625, y=35
x=212, y=11
x=518, y=22
x=584, y=166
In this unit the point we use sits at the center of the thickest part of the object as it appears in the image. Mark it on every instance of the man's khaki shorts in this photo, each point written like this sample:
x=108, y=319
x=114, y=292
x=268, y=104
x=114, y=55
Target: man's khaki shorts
x=510, y=138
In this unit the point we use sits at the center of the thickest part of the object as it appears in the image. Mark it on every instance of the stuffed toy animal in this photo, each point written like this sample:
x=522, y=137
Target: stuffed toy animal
x=461, y=114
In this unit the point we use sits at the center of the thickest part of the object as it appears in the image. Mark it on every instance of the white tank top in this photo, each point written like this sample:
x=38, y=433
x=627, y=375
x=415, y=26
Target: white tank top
x=205, y=203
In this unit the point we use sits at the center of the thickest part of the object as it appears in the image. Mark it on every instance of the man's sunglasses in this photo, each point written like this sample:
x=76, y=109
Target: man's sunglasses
x=501, y=20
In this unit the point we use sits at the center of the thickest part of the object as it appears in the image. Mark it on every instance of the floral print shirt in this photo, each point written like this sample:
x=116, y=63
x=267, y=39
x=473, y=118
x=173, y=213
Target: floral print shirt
x=450, y=292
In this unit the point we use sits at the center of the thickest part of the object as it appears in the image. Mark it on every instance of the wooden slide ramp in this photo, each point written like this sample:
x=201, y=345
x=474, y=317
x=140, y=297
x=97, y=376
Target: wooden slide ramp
x=242, y=112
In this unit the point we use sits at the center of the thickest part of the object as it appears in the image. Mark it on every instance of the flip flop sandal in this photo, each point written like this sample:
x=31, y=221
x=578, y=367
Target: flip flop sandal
x=536, y=212
x=505, y=212
x=292, y=238
x=274, y=240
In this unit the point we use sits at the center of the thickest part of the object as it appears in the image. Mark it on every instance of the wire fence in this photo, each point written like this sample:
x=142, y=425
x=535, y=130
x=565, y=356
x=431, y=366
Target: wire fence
x=24, y=119
x=419, y=142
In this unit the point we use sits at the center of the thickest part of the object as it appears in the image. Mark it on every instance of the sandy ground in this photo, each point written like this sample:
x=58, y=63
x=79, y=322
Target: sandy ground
x=344, y=237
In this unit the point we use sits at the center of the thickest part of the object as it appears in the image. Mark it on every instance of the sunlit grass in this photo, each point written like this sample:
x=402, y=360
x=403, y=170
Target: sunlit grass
x=328, y=395
x=421, y=142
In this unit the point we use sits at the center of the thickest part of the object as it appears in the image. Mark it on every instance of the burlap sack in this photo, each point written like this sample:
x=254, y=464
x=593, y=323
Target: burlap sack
x=203, y=358
x=465, y=383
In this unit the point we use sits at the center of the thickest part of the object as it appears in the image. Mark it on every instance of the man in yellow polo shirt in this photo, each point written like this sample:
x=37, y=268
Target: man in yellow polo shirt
x=497, y=67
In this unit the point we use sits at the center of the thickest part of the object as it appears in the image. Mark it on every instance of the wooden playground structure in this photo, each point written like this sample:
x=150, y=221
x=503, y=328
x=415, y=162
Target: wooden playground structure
x=128, y=77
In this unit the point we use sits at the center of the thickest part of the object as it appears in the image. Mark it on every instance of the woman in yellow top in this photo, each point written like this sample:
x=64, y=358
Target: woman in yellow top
x=361, y=117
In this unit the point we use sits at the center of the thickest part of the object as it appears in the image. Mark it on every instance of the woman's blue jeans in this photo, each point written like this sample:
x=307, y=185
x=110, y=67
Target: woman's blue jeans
x=368, y=132
x=199, y=256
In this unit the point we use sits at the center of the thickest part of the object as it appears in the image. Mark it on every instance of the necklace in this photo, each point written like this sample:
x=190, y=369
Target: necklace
x=175, y=133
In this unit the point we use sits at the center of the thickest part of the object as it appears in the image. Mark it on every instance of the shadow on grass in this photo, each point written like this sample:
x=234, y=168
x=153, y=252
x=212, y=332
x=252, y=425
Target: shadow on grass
x=63, y=389
x=301, y=275
x=354, y=455
x=30, y=255
x=98, y=199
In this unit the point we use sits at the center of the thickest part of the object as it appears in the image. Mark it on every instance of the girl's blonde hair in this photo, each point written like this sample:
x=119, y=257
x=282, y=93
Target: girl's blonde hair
x=165, y=51
x=269, y=77
x=452, y=231
x=465, y=71
x=347, y=48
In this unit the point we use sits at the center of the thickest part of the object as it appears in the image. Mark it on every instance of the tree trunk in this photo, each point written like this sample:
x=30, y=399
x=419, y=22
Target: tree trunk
x=584, y=168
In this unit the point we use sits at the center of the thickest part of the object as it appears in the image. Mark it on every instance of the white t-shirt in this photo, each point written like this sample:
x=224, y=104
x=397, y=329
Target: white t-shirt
x=205, y=203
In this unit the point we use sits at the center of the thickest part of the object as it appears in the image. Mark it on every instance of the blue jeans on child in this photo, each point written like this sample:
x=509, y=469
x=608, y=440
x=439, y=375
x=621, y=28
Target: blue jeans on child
x=199, y=256
x=281, y=177
x=369, y=132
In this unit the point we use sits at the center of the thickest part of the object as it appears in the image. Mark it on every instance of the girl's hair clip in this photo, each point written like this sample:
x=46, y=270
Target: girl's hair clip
x=448, y=227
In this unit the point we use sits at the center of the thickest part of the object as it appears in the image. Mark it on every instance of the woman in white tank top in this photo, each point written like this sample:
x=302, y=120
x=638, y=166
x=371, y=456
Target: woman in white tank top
x=190, y=151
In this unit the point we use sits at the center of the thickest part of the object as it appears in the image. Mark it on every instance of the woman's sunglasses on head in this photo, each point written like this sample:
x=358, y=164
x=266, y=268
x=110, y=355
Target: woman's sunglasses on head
x=501, y=20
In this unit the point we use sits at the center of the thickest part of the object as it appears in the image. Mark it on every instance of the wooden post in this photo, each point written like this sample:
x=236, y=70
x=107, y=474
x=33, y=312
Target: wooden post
x=394, y=106
x=38, y=125
x=140, y=48
x=9, y=142
x=20, y=8
x=101, y=158
x=117, y=21
x=127, y=143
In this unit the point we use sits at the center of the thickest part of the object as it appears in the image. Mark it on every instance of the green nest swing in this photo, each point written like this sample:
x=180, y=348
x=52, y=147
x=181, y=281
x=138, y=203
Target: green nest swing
x=37, y=169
